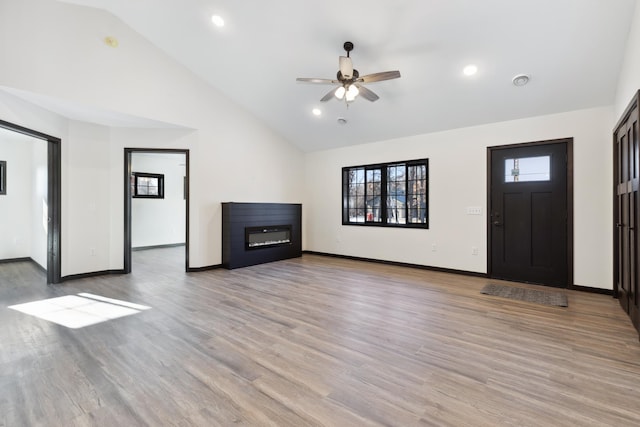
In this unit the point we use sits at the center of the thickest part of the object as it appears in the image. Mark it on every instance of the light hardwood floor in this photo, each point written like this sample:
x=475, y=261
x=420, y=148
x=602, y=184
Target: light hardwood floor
x=313, y=341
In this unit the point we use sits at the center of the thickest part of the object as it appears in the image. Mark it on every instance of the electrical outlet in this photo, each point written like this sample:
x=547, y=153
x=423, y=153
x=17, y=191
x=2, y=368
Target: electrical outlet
x=474, y=251
x=434, y=247
x=92, y=251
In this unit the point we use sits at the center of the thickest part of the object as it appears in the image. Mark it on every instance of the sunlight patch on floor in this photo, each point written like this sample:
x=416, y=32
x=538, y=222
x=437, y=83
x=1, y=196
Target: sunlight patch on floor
x=78, y=311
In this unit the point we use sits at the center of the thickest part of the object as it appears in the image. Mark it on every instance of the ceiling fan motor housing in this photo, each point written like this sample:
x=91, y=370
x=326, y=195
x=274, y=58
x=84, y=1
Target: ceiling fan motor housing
x=346, y=67
x=344, y=79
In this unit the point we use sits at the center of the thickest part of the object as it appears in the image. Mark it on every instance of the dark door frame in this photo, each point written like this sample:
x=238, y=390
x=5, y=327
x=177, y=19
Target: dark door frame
x=569, y=143
x=127, y=200
x=53, y=195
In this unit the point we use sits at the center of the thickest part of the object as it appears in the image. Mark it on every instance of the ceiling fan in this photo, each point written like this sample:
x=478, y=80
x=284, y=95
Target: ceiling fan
x=349, y=80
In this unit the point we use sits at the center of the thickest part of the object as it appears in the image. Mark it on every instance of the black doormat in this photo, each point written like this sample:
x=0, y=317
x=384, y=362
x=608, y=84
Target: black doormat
x=528, y=295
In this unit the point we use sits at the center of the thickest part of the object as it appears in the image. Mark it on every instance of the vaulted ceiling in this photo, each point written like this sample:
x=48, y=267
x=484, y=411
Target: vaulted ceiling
x=571, y=49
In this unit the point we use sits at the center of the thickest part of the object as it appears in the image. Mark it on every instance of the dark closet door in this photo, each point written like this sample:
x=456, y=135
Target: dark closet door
x=626, y=209
x=528, y=214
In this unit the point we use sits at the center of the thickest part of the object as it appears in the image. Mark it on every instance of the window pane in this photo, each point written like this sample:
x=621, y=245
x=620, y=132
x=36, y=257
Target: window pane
x=353, y=216
x=396, y=194
x=356, y=176
x=151, y=182
x=355, y=199
x=416, y=194
x=357, y=207
x=373, y=195
x=527, y=169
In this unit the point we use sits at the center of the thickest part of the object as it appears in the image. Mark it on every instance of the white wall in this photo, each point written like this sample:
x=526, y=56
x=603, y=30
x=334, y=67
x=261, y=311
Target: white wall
x=85, y=194
x=160, y=221
x=39, y=201
x=22, y=231
x=629, y=78
x=457, y=173
x=234, y=157
x=15, y=206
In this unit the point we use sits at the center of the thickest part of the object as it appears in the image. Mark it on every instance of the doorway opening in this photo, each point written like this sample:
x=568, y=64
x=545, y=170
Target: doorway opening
x=162, y=190
x=530, y=205
x=52, y=207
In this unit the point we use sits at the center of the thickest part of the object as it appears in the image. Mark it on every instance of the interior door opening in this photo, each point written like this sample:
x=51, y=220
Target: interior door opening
x=156, y=204
x=45, y=207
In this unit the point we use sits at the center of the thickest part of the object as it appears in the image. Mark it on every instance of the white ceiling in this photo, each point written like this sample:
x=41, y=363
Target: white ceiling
x=573, y=50
x=86, y=113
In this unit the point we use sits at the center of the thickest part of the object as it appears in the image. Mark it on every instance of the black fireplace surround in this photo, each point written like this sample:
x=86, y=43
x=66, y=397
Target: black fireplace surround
x=255, y=233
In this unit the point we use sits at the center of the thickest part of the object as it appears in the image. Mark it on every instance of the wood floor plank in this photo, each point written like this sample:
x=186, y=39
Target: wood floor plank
x=313, y=341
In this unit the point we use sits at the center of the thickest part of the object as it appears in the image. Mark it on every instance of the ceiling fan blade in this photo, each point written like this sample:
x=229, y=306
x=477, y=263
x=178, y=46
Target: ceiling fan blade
x=328, y=96
x=378, y=77
x=367, y=93
x=314, y=80
x=346, y=67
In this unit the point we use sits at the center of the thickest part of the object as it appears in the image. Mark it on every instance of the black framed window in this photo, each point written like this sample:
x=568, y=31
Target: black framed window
x=3, y=177
x=147, y=185
x=388, y=194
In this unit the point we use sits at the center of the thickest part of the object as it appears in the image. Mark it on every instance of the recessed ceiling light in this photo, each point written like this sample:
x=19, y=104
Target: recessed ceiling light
x=217, y=20
x=316, y=112
x=470, y=70
x=521, y=79
x=342, y=121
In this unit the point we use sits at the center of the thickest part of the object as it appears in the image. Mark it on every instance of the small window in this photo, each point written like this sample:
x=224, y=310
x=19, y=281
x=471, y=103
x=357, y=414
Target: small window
x=390, y=194
x=147, y=185
x=527, y=169
x=3, y=177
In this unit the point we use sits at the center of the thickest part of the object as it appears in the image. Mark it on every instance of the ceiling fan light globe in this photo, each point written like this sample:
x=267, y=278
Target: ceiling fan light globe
x=352, y=92
x=340, y=92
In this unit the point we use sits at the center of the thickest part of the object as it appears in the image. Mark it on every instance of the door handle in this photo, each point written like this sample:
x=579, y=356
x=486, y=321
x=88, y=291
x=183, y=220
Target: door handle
x=619, y=224
x=497, y=223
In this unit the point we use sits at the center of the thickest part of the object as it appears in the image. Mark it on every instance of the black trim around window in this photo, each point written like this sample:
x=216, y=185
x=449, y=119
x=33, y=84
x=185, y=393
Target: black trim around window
x=147, y=185
x=394, y=194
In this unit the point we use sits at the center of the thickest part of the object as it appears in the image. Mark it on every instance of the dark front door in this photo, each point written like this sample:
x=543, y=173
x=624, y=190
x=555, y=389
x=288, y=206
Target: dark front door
x=626, y=210
x=528, y=214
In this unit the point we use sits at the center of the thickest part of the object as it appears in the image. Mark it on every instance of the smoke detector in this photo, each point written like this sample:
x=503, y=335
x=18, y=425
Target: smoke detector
x=521, y=79
x=111, y=41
